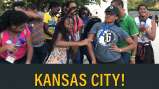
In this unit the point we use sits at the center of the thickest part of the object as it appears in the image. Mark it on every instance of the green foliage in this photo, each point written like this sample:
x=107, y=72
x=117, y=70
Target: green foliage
x=43, y=4
x=133, y=4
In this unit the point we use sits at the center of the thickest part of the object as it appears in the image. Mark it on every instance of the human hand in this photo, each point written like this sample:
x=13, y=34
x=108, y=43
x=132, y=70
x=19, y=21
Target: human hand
x=85, y=42
x=132, y=61
x=94, y=61
x=113, y=47
x=17, y=9
x=11, y=47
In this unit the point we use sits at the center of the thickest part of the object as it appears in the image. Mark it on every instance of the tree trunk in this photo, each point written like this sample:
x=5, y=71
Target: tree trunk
x=39, y=4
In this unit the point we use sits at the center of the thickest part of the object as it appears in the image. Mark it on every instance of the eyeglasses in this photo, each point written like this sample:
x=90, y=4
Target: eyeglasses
x=22, y=28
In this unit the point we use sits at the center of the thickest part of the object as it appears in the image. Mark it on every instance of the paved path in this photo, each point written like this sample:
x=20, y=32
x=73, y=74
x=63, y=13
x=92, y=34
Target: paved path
x=155, y=45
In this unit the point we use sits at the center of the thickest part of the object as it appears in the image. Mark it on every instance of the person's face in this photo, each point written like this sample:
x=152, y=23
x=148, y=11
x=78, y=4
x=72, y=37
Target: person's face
x=55, y=10
x=84, y=14
x=110, y=17
x=64, y=10
x=35, y=11
x=20, y=28
x=68, y=23
x=72, y=5
x=143, y=11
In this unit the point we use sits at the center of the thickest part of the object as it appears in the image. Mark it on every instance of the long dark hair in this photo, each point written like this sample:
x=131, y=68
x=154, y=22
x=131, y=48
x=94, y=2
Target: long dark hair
x=61, y=29
x=90, y=25
x=12, y=17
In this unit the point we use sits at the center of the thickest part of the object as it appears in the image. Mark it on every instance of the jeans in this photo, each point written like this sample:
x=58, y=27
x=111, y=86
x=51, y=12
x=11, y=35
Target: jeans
x=39, y=54
x=126, y=57
x=77, y=59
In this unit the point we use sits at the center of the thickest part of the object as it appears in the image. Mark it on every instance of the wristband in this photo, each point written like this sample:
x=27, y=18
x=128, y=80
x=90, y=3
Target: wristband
x=133, y=56
x=134, y=53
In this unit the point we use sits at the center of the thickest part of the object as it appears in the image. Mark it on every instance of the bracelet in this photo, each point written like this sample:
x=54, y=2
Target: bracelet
x=134, y=53
x=133, y=56
x=132, y=59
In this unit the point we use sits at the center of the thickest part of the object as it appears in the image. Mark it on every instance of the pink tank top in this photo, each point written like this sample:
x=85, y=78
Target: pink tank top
x=22, y=50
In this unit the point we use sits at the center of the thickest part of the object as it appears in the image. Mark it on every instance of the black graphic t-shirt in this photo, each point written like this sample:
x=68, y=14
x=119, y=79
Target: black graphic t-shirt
x=108, y=37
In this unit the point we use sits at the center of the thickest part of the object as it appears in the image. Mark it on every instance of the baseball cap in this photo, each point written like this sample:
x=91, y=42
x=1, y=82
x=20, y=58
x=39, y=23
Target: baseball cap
x=18, y=3
x=113, y=9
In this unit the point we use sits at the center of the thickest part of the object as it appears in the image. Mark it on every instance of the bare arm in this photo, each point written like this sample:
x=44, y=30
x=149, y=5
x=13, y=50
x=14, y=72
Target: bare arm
x=29, y=49
x=60, y=43
x=46, y=30
x=131, y=45
x=31, y=15
x=134, y=50
x=152, y=35
x=90, y=49
x=10, y=47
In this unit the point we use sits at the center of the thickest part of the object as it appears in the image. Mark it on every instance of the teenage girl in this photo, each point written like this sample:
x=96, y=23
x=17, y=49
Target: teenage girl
x=63, y=39
x=107, y=35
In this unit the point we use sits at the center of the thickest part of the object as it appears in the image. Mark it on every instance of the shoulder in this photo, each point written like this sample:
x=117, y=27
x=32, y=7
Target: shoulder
x=153, y=22
x=130, y=19
x=117, y=28
x=47, y=13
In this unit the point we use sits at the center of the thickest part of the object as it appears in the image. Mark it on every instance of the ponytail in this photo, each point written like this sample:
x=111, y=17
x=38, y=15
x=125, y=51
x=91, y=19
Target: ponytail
x=5, y=20
x=12, y=17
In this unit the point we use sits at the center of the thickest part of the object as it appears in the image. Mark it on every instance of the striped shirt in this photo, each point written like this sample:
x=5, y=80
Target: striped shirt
x=37, y=32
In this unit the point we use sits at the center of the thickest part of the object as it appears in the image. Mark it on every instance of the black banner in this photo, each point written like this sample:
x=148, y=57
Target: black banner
x=79, y=76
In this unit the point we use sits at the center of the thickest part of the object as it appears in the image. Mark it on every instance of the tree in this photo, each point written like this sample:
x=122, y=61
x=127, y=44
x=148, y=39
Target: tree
x=43, y=4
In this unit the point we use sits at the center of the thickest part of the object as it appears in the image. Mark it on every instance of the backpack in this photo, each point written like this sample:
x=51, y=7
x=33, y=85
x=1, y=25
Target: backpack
x=2, y=34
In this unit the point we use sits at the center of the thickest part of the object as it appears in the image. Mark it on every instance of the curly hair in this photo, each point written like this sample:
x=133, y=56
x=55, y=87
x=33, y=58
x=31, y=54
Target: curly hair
x=12, y=17
x=61, y=29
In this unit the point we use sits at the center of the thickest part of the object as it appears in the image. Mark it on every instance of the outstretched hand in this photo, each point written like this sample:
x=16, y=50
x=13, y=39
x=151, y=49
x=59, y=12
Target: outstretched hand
x=85, y=42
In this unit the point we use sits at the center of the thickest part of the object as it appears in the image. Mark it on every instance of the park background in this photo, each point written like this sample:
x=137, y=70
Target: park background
x=99, y=6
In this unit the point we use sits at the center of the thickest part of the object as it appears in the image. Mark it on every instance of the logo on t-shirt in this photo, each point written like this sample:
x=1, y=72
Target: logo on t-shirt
x=107, y=37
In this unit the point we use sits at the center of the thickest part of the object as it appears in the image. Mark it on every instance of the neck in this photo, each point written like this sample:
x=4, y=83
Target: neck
x=52, y=13
x=122, y=13
x=143, y=17
x=109, y=23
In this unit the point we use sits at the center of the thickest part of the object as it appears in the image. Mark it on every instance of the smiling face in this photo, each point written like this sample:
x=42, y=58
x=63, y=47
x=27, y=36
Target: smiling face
x=143, y=11
x=68, y=23
x=55, y=10
x=110, y=17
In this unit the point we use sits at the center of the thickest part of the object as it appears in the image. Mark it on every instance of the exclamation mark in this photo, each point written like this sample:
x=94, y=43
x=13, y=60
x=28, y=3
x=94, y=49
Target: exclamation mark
x=123, y=79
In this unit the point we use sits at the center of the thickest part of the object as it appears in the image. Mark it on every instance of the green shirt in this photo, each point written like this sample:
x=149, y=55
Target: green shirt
x=129, y=25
